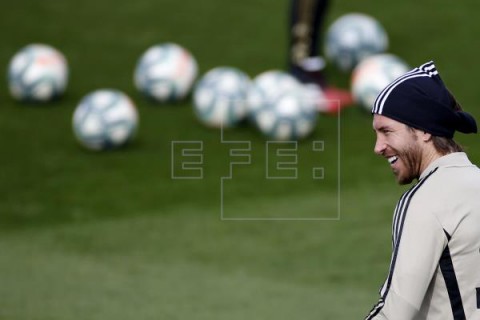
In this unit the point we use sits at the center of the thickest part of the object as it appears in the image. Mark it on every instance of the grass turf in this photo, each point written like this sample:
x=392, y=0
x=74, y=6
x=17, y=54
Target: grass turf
x=112, y=236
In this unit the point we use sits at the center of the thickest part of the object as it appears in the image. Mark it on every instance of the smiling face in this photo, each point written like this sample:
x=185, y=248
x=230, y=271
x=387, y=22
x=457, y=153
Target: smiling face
x=401, y=146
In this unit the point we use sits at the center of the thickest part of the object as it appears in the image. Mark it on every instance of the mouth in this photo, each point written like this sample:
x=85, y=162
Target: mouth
x=392, y=159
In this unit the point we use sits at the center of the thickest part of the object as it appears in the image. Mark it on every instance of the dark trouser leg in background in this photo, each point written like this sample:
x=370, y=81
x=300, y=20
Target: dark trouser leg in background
x=306, y=23
x=304, y=62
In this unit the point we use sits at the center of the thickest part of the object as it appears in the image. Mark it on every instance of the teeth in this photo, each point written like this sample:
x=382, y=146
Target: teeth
x=392, y=159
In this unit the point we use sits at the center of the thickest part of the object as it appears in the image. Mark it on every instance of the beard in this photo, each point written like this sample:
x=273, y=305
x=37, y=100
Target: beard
x=411, y=158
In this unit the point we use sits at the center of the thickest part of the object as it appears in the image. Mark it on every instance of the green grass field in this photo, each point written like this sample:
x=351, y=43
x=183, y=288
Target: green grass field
x=110, y=235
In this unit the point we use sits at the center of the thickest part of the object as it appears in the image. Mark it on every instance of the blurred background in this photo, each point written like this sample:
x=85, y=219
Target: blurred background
x=88, y=235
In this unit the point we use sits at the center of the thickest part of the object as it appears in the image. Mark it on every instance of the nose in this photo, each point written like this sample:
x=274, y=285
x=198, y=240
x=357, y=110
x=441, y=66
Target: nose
x=380, y=146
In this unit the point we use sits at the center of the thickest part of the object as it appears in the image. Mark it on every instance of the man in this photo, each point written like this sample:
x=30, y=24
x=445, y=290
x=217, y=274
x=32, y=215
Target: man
x=435, y=265
x=304, y=62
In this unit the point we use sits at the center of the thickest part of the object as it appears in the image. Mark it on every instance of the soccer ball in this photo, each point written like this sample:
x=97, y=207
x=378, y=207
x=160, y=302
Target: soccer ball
x=37, y=73
x=288, y=117
x=280, y=107
x=268, y=85
x=220, y=97
x=353, y=37
x=373, y=74
x=165, y=72
x=105, y=119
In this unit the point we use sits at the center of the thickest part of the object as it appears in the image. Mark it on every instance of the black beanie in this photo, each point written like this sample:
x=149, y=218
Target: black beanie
x=420, y=99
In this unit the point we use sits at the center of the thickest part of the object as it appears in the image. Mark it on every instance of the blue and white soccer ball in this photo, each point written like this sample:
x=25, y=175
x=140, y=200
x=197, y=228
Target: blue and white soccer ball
x=280, y=107
x=37, y=73
x=373, y=74
x=165, y=72
x=105, y=119
x=352, y=38
x=220, y=97
x=268, y=85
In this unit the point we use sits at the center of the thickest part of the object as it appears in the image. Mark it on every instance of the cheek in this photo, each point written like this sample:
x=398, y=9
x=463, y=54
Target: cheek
x=399, y=144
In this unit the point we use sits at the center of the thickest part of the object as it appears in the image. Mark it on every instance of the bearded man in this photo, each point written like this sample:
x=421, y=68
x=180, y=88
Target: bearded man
x=435, y=265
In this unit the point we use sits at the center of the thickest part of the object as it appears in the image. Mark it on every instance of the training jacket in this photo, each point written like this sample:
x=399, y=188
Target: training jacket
x=435, y=265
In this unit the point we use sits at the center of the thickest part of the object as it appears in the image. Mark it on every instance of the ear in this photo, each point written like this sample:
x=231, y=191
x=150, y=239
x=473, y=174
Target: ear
x=425, y=136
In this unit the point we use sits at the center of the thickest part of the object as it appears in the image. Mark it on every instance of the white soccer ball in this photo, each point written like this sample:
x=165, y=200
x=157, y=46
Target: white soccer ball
x=105, y=119
x=280, y=107
x=37, y=73
x=165, y=72
x=373, y=74
x=353, y=37
x=267, y=86
x=220, y=97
